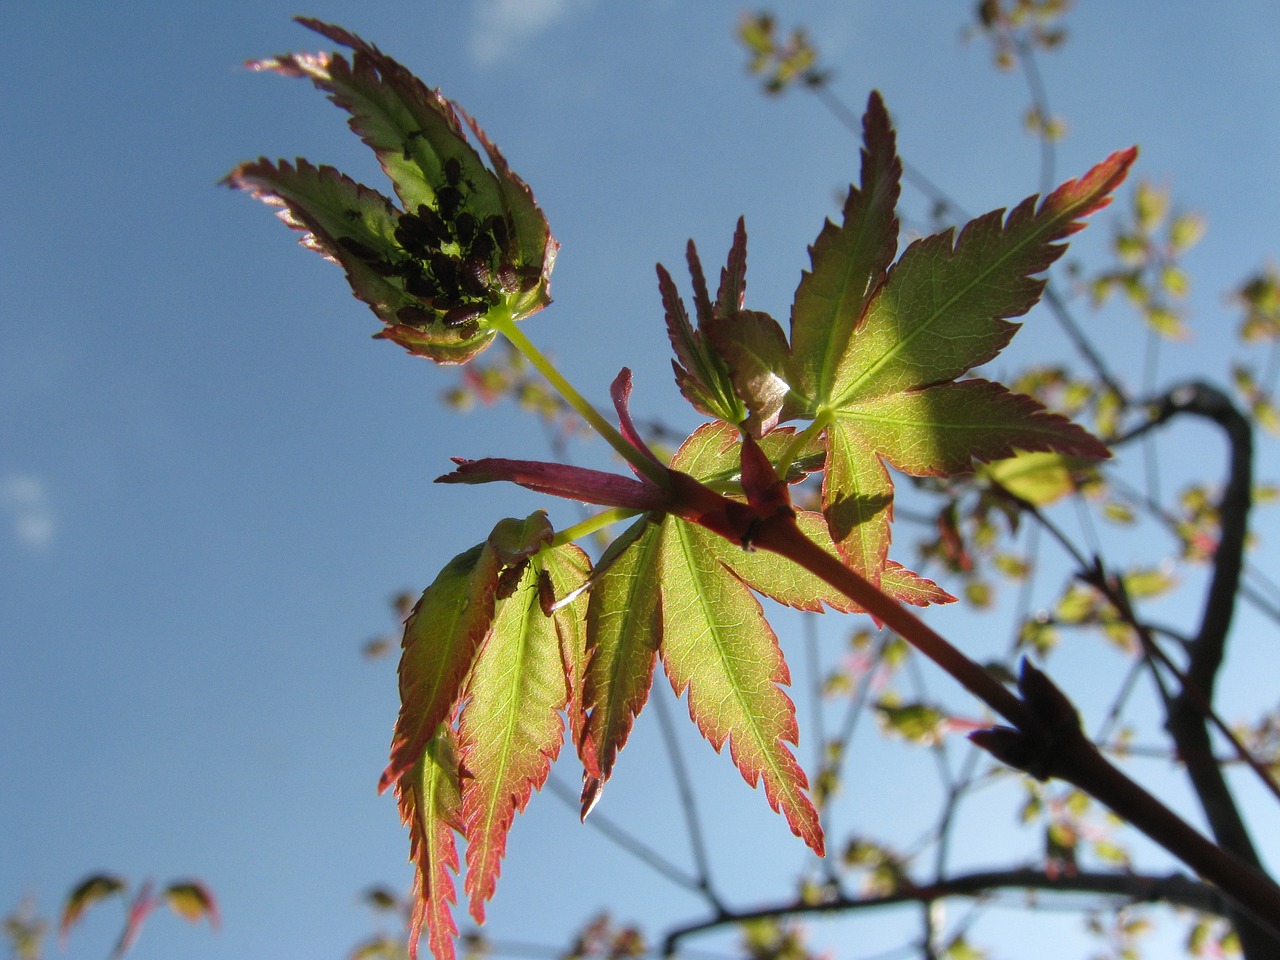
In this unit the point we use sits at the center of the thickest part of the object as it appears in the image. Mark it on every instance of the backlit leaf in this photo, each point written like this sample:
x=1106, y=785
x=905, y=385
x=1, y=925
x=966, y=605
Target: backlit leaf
x=888, y=395
x=1038, y=478
x=848, y=264
x=431, y=804
x=717, y=645
x=443, y=635
x=509, y=731
x=623, y=632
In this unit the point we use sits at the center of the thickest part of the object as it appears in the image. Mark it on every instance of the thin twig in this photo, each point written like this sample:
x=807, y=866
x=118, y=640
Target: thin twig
x=1175, y=889
x=688, y=805
x=623, y=839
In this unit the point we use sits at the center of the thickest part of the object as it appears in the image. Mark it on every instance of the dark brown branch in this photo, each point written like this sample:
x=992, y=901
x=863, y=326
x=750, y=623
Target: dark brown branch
x=1188, y=721
x=1175, y=889
x=1045, y=739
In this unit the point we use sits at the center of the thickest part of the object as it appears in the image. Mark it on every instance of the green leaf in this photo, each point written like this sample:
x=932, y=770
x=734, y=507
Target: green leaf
x=510, y=729
x=354, y=226
x=941, y=310
x=943, y=430
x=413, y=130
x=1143, y=584
x=1038, y=478
x=563, y=574
x=857, y=498
x=717, y=645
x=431, y=804
x=915, y=722
x=848, y=265
x=443, y=634
x=623, y=632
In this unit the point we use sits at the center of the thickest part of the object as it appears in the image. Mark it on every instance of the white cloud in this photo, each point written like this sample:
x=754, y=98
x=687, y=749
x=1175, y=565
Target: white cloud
x=502, y=25
x=24, y=500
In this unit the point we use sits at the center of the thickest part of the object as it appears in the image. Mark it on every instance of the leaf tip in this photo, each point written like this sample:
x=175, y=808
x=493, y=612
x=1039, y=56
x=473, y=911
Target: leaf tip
x=592, y=789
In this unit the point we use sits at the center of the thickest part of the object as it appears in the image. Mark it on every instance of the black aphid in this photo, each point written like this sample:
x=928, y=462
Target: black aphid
x=462, y=315
x=358, y=249
x=415, y=316
x=419, y=285
x=448, y=202
x=482, y=246
x=474, y=278
x=464, y=228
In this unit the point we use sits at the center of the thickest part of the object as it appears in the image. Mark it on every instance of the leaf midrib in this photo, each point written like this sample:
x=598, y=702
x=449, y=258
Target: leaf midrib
x=977, y=280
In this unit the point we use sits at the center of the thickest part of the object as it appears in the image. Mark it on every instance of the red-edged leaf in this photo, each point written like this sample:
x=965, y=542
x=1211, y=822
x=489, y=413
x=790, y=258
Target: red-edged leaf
x=849, y=262
x=411, y=128
x=796, y=587
x=945, y=430
x=510, y=730
x=431, y=804
x=623, y=623
x=717, y=645
x=404, y=263
x=566, y=571
x=355, y=226
x=943, y=307
x=86, y=893
x=857, y=497
x=940, y=310
x=443, y=635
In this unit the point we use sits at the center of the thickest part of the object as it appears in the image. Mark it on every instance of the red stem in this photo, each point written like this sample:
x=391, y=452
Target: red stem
x=1074, y=759
x=781, y=535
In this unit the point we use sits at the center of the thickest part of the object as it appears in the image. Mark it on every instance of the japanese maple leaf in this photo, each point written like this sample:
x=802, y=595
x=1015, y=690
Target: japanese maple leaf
x=877, y=349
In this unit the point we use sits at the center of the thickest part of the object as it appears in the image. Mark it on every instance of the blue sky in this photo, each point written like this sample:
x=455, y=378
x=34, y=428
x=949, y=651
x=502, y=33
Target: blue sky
x=211, y=479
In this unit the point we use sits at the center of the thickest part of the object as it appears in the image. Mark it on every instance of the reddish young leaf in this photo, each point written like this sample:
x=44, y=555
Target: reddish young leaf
x=144, y=902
